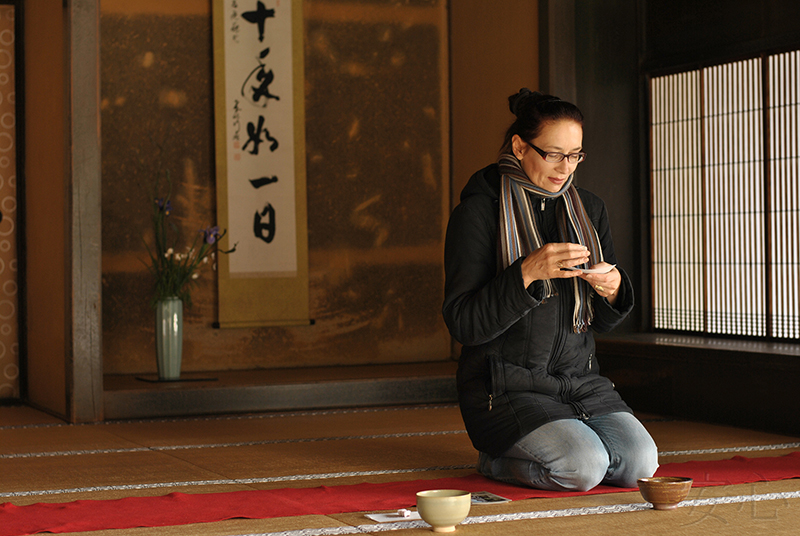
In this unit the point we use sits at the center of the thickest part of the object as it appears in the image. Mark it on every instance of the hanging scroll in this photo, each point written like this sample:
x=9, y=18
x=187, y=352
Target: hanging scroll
x=260, y=155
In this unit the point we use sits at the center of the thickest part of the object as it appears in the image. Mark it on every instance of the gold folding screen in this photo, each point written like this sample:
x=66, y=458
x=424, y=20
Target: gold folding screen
x=724, y=167
x=9, y=323
x=376, y=101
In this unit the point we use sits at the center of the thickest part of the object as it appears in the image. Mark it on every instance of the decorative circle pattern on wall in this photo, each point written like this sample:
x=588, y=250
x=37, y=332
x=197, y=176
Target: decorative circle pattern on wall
x=9, y=324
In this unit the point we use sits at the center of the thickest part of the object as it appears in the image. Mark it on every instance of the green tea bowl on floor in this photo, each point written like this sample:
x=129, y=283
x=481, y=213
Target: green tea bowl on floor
x=443, y=509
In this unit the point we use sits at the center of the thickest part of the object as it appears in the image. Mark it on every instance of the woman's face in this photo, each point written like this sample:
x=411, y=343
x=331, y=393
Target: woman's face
x=564, y=136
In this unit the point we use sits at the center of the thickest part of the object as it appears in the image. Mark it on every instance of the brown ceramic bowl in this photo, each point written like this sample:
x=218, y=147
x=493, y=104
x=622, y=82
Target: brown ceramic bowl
x=665, y=492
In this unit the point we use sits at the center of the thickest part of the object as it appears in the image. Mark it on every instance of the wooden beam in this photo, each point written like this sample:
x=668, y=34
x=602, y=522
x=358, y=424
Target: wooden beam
x=84, y=309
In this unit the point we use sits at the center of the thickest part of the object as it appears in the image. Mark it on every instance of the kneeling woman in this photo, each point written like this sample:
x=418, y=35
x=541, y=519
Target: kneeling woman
x=517, y=299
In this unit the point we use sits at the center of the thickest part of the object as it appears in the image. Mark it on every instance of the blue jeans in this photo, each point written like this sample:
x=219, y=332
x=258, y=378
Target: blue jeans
x=575, y=455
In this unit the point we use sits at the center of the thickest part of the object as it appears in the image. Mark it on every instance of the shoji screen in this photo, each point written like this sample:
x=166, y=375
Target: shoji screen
x=678, y=206
x=734, y=193
x=725, y=198
x=784, y=187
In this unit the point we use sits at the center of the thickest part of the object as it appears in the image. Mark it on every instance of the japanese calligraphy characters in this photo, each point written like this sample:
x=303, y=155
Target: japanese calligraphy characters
x=258, y=17
x=260, y=139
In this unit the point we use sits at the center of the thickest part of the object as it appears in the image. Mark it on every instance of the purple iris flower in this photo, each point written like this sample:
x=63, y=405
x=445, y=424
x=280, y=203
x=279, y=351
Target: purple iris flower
x=211, y=234
x=164, y=206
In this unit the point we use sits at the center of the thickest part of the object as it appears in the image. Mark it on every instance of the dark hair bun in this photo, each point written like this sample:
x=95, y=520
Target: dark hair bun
x=516, y=102
x=525, y=98
x=533, y=110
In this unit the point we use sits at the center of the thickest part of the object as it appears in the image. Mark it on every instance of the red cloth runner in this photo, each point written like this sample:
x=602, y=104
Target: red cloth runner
x=182, y=508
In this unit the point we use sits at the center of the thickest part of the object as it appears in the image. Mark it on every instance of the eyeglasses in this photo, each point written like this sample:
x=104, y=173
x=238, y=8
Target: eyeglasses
x=554, y=158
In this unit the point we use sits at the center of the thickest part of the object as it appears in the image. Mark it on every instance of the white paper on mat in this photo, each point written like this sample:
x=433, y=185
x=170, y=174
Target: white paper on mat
x=390, y=518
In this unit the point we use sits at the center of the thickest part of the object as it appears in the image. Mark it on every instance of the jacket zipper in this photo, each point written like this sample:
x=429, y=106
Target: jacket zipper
x=557, y=344
x=577, y=407
x=580, y=410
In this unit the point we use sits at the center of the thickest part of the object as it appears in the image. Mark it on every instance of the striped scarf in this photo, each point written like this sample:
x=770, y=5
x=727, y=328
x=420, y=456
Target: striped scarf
x=520, y=236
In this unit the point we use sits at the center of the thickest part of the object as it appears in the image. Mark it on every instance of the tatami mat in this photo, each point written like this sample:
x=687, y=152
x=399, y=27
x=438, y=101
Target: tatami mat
x=44, y=460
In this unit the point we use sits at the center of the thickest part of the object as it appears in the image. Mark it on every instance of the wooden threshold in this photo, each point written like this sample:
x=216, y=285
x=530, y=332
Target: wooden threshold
x=202, y=393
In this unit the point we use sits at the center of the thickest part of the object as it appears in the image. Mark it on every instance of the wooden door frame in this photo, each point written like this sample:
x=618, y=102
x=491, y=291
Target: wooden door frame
x=84, y=299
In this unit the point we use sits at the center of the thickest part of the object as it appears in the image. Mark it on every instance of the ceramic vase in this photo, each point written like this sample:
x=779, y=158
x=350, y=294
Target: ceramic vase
x=169, y=338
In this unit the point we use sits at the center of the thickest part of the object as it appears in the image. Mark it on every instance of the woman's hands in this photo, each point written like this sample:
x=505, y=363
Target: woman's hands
x=547, y=263
x=605, y=285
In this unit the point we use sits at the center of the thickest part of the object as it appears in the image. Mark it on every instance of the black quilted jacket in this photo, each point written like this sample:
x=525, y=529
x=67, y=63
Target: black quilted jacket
x=521, y=364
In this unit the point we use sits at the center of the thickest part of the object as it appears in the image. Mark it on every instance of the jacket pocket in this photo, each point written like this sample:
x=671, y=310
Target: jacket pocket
x=497, y=373
x=497, y=378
